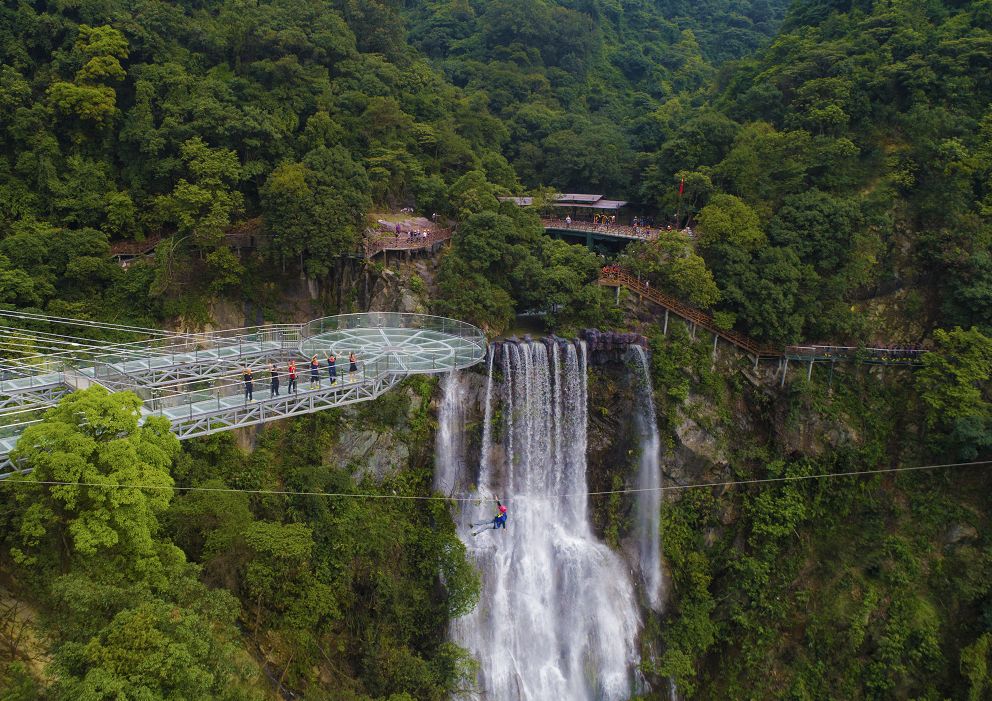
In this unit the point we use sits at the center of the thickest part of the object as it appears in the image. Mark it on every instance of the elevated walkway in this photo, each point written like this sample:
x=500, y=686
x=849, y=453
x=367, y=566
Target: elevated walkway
x=612, y=233
x=613, y=276
x=250, y=235
x=196, y=380
x=403, y=242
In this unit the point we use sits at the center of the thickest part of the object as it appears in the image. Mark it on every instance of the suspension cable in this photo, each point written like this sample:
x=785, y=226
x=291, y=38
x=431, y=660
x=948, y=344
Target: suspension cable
x=676, y=487
x=84, y=323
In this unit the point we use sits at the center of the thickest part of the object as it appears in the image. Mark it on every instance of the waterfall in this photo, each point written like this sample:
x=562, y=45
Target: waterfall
x=557, y=616
x=450, y=441
x=487, y=418
x=648, y=509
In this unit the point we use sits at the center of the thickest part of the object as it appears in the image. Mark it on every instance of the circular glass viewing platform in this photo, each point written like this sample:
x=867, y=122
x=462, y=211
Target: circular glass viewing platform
x=395, y=343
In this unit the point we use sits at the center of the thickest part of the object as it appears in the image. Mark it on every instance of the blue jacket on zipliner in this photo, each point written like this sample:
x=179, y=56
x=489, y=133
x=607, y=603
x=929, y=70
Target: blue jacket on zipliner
x=500, y=520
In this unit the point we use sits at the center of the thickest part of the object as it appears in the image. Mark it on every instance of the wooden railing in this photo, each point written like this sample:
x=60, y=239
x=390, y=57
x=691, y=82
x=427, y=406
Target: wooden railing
x=404, y=243
x=616, y=277
x=894, y=355
x=244, y=234
x=613, y=276
x=249, y=235
x=615, y=230
x=132, y=249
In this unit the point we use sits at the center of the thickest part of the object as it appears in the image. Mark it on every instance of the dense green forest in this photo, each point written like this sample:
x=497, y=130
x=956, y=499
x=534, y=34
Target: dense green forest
x=132, y=120
x=837, y=161
x=847, y=156
x=140, y=589
x=870, y=587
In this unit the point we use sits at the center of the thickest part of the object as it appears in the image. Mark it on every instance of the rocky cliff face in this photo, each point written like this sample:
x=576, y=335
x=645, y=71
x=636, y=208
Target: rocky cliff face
x=369, y=447
x=353, y=286
x=403, y=287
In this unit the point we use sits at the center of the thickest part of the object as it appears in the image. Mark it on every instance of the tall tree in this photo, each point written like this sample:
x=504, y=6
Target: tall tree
x=112, y=476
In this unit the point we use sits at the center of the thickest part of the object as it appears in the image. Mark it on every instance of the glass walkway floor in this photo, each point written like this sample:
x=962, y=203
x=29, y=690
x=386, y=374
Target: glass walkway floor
x=196, y=380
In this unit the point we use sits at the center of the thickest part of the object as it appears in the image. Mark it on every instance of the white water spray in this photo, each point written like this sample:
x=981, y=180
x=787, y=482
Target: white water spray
x=450, y=441
x=648, y=509
x=557, y=617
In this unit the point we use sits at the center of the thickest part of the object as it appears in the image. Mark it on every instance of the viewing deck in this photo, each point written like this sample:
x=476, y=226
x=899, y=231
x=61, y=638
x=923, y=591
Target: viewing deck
x=603, y=232
x=196, y=380
x=404, y=242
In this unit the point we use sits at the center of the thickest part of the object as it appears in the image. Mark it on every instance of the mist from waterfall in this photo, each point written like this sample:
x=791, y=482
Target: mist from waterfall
x=648, y=505
x=557, y=616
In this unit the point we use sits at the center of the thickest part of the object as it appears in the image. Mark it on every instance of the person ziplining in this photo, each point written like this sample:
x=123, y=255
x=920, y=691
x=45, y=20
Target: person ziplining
x=498, y=521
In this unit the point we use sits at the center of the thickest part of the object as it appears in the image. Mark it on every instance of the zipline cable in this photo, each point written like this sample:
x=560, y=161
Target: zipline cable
x=678, y=487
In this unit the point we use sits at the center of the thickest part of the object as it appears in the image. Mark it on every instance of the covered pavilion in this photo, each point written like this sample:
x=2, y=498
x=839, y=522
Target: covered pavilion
x=580, y=207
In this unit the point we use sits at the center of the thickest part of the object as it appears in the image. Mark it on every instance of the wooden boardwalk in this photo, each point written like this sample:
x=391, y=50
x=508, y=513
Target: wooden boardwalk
x=134, y=249
x=244, y=234
x=403, y=242
x=613, y=276
x=249, y=234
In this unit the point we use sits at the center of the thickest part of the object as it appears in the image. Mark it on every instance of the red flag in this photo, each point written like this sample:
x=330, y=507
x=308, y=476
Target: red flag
x=682, y=186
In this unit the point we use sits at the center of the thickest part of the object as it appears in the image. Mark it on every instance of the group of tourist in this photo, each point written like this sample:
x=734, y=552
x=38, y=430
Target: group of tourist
x=898, y=353
x=597, y=220
x=412, y=234
x=640, y=227
x=248, y=376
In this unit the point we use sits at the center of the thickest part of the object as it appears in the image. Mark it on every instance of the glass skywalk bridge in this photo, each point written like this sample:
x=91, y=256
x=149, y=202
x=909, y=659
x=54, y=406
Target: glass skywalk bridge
x=196, y=380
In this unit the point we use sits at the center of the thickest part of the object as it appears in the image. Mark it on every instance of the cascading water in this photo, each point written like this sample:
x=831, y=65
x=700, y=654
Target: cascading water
x=450, y=441
x=648, y=509
x=557, y=617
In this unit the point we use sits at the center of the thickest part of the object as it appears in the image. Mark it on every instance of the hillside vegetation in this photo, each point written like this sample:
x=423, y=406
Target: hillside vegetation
x=837, y=167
